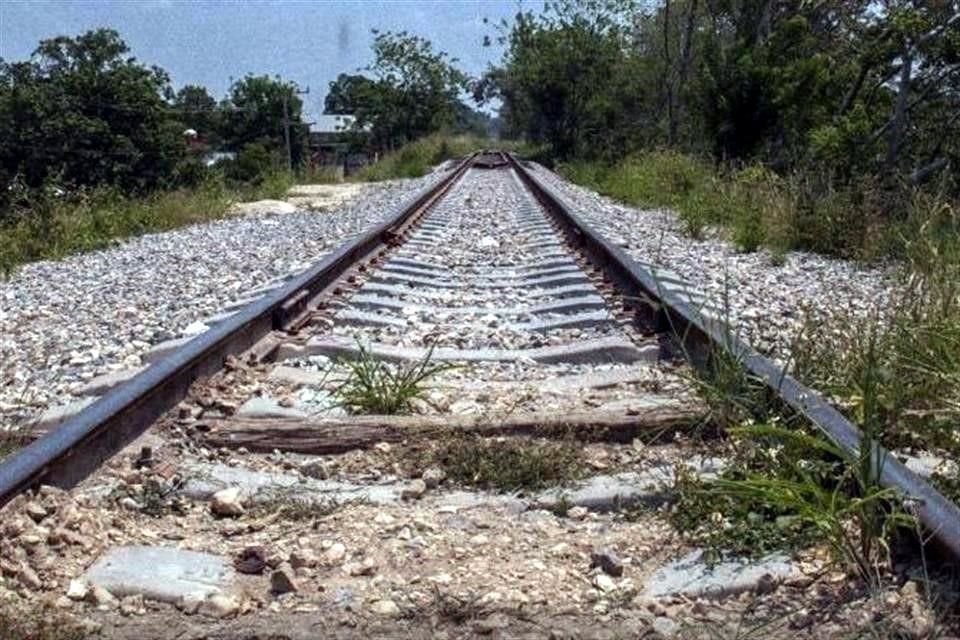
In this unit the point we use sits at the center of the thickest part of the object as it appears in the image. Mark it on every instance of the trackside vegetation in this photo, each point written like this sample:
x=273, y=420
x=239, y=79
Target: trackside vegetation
x=96, y=145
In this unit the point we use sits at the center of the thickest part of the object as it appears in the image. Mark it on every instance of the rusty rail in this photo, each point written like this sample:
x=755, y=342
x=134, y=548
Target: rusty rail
x=80, y=445
x=665, y=313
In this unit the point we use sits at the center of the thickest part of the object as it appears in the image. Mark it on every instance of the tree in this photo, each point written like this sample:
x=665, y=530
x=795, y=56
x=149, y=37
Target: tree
x=416, y=90
x=567, y=80
x=350, y=93
x=83, y=113
x=196, y=109
x=256, y=110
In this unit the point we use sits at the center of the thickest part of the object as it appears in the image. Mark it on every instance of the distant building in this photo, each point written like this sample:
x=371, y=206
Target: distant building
x=328, y=124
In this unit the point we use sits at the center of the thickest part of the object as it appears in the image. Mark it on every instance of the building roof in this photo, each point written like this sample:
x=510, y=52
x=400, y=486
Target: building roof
x=331, y=123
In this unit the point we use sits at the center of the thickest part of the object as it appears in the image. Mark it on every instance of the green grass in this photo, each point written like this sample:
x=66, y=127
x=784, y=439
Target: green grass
x=376, y=387
x=789, y=486
x=52, y=228
x=758, y=208
x=416, y=158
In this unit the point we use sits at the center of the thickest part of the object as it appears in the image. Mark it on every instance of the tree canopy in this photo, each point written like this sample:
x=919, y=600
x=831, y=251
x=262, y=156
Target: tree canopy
x=413, y=91
x=81, y=111
x=848, y=86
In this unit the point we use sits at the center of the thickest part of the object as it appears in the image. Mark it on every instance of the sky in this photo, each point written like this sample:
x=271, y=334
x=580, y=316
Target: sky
x=209, y=41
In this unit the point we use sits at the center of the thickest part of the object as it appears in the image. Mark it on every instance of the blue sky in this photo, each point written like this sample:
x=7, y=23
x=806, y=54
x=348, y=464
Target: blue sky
x=209, y=41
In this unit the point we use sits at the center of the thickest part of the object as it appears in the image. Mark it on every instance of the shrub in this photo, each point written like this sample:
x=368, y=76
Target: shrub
x=252, y=164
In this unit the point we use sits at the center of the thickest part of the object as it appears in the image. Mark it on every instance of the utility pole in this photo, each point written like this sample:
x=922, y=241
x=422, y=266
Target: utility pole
x=286, y=125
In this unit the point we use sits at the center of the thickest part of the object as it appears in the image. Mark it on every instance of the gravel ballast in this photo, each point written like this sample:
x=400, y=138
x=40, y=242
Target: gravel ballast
x=65, y=322
x=767, y=303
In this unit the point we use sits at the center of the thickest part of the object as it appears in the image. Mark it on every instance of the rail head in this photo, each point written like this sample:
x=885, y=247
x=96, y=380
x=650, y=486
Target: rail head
x=701, y=334
x=77, y=447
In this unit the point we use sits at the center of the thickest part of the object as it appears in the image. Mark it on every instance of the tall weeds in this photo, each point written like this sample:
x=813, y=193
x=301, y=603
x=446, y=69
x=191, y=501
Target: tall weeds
x=807, y=210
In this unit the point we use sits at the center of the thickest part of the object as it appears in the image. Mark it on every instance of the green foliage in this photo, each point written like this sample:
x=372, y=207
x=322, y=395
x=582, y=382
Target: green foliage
x=351, y=93
x=900, y=367
x=53, y=226
x=753, y=202
x=415, y=91
x=788, y=489
x=82, y=113
x=802, y=211
x=254, y=114
x=508, y=464
x=252, y=164
x=799, y=87
x=196, y=109
x=568, y=81
x=376, y=387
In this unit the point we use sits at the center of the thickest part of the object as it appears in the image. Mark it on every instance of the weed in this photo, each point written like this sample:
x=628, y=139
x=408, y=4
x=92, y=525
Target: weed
x=731, y=394
x=38, y=622
x=321, y=174
x=375, y=387
x=155, y=498
x=562, y=506
x=908, y=354
x=789, y=489
x=508, y=464
x=457, y=609
x=291, y=505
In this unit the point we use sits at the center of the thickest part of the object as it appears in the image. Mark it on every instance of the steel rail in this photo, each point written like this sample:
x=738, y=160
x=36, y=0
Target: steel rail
x=68, y=454
x=667, y=314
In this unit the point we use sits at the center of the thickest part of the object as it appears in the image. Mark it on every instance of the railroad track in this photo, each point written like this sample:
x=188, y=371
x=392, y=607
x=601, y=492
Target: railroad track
x=549, y=328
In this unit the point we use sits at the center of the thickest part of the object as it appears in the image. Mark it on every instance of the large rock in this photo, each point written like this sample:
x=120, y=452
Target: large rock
x=616, y=491
x=692, y=576
x=166, y=574
x=204, y=480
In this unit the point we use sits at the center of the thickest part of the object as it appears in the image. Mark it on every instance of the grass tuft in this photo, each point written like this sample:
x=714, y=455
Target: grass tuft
x=375, y=387
x=508, y=464
x=292, y=506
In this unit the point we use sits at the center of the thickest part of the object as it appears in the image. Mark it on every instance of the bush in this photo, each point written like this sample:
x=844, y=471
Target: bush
x=252, y=164
x=191, y=172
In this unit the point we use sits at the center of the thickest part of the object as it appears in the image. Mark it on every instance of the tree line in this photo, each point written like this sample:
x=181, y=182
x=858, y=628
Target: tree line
x=82, y=112
x=844, y=88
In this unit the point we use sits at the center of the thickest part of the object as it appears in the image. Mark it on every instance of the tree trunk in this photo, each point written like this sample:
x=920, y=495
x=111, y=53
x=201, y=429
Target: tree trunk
x=684, y=68
x=898, y=122
x=667, y=74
